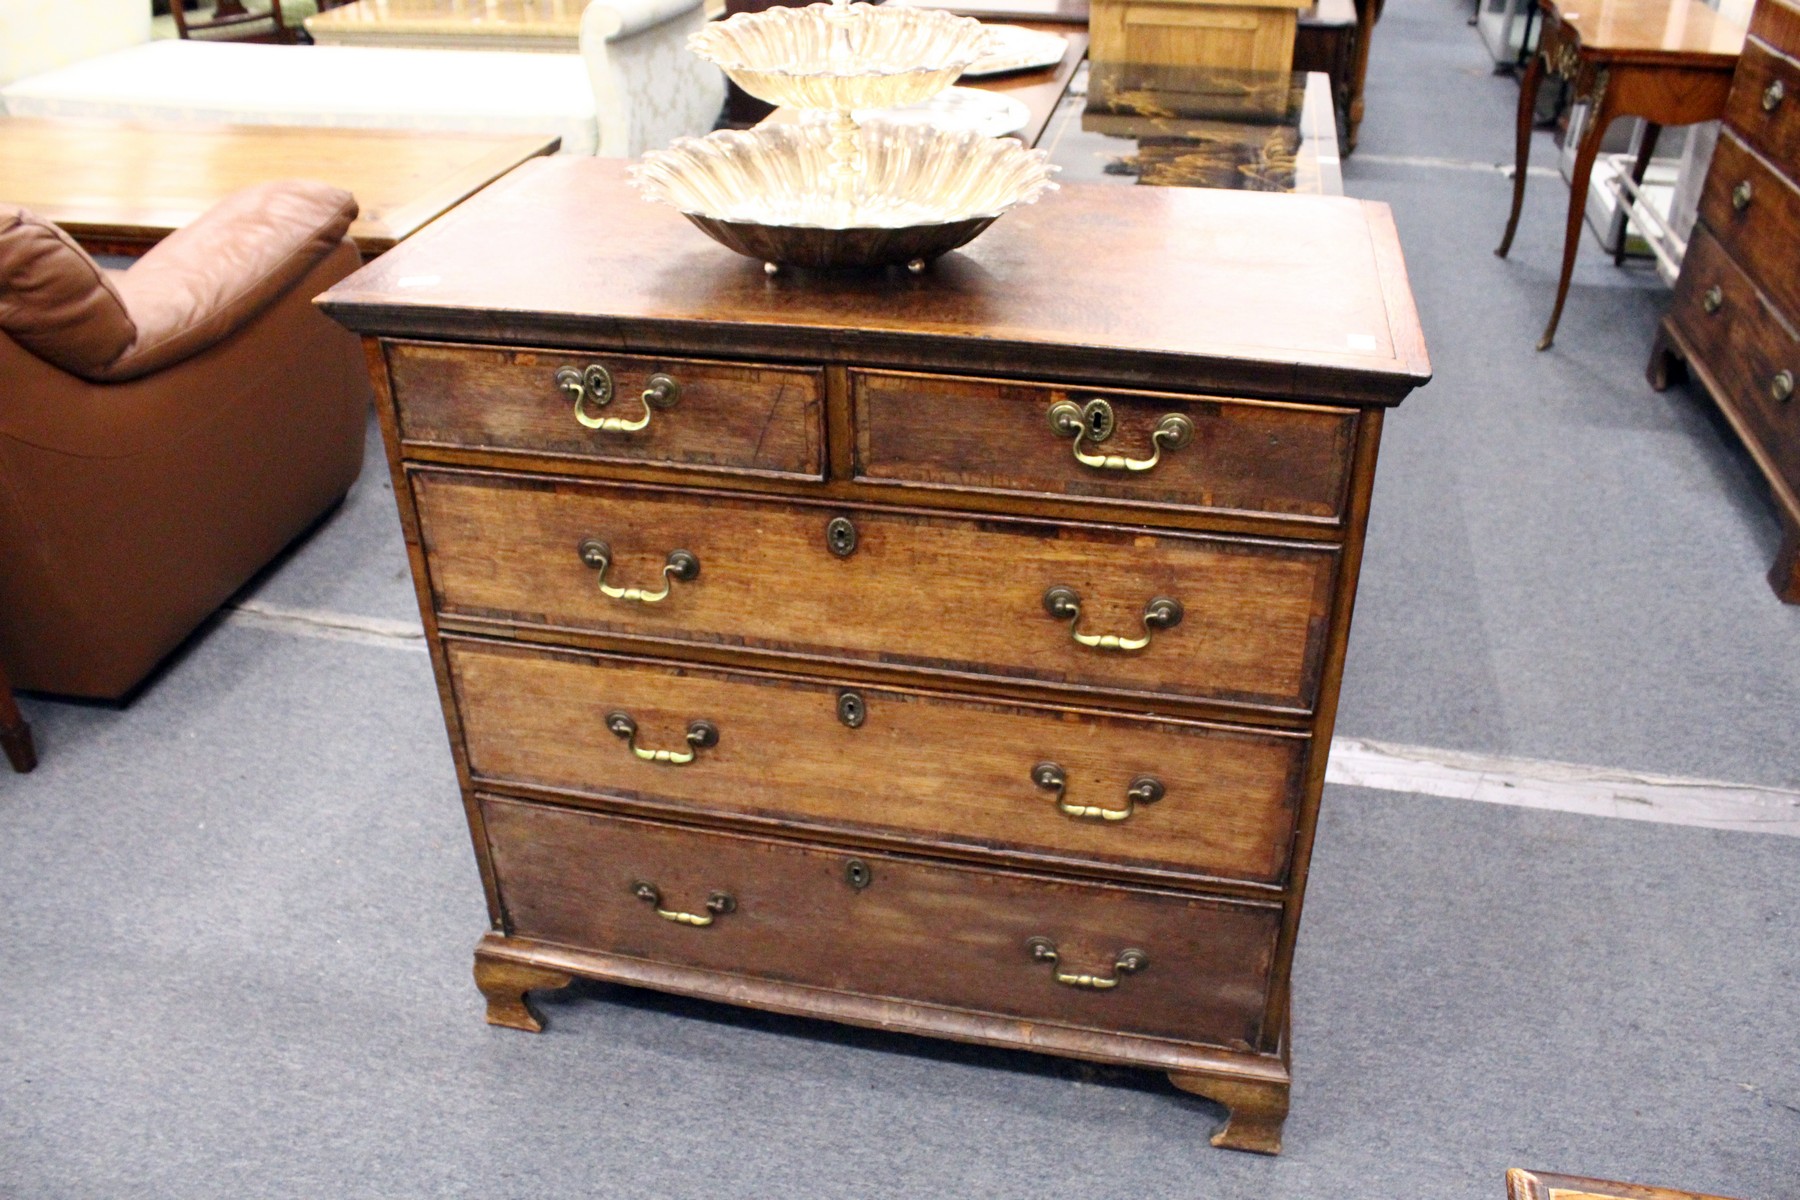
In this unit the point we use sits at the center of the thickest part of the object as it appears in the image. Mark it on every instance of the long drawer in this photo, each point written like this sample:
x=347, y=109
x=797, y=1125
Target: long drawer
x=1091, y=955
x=1750, y=348
x=729, y=417
x=1034, y=781
x=1752, y=209
x=959, y=596
x=1208, y=452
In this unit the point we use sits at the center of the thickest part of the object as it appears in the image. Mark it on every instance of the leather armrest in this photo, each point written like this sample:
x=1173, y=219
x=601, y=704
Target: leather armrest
x=204, y=281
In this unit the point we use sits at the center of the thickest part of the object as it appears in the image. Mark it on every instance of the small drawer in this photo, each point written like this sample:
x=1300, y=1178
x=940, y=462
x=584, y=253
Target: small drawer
x=1236, y=456
x=1048, y=784
x=1130, y=960
x=1752, y=351
x=1237, y=620
x=1764, y=107
x=1753, y=212
x=717, y=416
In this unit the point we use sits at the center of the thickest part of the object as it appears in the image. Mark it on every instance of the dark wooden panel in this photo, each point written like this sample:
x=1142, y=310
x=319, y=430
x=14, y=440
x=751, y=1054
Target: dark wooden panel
x=934, y=593
x=1777, y=22
x=931, y=933
x=728, y=416
x=1745, y=343
x=931, y=767
x=1179, y=288
x=1775, y=132
x=1752, y=234
x=1284, y=460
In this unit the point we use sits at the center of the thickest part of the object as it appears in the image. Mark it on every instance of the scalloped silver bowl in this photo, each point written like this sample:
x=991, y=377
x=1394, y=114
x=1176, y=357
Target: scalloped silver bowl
x=770, y=193
x=843, y=56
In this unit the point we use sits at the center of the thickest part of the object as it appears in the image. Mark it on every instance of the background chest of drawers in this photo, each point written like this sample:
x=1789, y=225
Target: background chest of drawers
x=953, y=653
x=1735, y=319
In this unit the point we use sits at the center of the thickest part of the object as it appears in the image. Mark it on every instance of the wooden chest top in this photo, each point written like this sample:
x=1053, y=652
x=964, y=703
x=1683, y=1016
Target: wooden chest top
x=1291, y=296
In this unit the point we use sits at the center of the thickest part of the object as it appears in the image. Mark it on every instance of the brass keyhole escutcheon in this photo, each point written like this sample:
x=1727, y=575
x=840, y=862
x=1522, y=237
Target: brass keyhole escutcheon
x=851, y=709
x=857, y=874
x=840, y=536
x=1741, y=195
x=1093, y=421
x=1713, y=300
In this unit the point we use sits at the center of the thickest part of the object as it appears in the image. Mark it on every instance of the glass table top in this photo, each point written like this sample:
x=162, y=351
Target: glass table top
x=1196, y=127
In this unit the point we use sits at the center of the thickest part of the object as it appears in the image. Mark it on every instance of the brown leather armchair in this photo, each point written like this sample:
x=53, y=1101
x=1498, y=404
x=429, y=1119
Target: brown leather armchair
x=165, y=430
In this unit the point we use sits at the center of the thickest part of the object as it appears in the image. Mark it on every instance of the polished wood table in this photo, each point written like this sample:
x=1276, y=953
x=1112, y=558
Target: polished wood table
x=1666, y=61
x=1196, y=127
x=548, y=25
x=1542, y=1185
x=119, y=187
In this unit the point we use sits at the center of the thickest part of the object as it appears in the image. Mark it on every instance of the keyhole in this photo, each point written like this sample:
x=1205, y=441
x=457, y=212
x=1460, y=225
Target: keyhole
x=857, y=874
x=840, y=537
x=1096, y=423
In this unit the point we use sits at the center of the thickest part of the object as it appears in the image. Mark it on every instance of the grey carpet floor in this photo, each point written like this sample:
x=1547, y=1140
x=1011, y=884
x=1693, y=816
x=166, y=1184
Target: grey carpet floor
x=240, y=911
x=237, y=964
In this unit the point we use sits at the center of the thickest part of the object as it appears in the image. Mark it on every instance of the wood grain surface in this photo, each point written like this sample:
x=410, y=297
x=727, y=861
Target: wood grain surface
x=728, y=417
x=1771, y=218
x=1776, y=130
x=922, y=767
x=1186, y=289
x=122, y=186
x=934, y=933
x=933, y=593
x=989, y=435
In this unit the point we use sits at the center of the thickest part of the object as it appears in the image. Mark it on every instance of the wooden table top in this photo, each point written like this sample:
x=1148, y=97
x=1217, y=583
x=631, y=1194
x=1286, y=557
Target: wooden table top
x=122, y=186
x=1678, y=30
x=1206, y=289
x=1542, y=1185
x=548, y=23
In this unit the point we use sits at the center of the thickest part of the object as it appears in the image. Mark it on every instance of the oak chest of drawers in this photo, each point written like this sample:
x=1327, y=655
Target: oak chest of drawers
x=1735, y=320
x=954, y=653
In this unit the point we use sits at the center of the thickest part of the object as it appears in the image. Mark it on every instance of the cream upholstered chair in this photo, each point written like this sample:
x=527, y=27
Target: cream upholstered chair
x=649, y=88
x=633, y=86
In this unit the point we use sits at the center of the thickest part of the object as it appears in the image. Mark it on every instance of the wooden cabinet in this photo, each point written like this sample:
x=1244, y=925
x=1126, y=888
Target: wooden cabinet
x=1735, y=320
x=954, y=653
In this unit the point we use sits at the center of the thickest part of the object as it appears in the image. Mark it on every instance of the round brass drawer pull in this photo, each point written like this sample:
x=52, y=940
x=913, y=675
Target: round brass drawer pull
x=717, y=905
x=1128, y=962
x=1094, y=421
x=1145, y=789
x=1782, y=386
x=1065, y=605
x=1713, y=300
x=680, y=567
x=701, y=735
x=1741, y=195
x=1773, y=95
x=594, y=386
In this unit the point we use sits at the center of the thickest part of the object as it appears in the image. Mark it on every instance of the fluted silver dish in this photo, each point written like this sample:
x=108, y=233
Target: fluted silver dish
x=770, y=192
x=843, y=56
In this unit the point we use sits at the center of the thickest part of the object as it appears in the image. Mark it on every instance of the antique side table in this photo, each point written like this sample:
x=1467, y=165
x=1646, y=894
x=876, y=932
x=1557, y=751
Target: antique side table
x=1667, y=61
x=955, y=653
x=1543, y=1185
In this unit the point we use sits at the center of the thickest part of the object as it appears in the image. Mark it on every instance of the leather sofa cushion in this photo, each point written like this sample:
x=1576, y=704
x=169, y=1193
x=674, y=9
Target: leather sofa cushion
x=55, y=300
x=194, y=288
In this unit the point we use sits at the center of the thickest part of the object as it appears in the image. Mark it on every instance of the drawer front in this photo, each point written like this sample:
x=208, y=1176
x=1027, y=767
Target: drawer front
x=1764, y=107
x=1746, y=345
x=938, y=594
x=1235, y=456
x=919, y=765
x=736, y=417
x=1761, y=234
x=921, y=931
